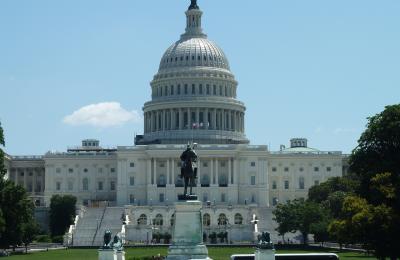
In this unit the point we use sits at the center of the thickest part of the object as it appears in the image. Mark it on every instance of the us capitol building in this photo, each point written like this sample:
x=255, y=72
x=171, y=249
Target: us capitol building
x=193, y=99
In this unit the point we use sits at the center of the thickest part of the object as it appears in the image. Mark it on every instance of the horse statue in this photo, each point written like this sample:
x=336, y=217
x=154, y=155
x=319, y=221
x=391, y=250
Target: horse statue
x=189, y=169
x=107, y=239
x=264, y=241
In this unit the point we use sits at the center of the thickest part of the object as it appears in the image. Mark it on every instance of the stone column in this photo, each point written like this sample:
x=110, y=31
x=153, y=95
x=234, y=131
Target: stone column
x=154, y=179
x=172, y=173
x=168, y=168
x=163, y=123
x=229, y=171
x=214, y=119
x=34, y=181
x=223, y=119
x=206, y=119
x=216, y=172
x=197, y=116
x=173, y=117
x=25, y=178
x=212, y=171
x=235, y=171
x=189, y=119
x=149, y=173
x=180, y=118
x=198, y=173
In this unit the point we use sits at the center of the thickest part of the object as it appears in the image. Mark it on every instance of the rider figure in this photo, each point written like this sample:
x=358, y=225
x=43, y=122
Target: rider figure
x=189, y=168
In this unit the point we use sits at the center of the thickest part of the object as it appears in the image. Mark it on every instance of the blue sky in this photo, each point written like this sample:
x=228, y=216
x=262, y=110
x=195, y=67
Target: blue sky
x=310, y=68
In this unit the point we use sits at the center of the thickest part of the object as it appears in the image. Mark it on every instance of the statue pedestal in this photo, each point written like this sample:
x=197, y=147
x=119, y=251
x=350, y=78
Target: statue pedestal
x=264, y=254
x=106, y=254
x=119, y=255
x=187, y=235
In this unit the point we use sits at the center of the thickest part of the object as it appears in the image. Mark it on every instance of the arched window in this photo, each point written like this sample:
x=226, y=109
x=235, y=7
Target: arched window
x=142, y=220
x=301, y=183
x=206, y=220
x=85, y=184
x=222, y=220
x=238, y=219
x=158, y=221
x=172, y=221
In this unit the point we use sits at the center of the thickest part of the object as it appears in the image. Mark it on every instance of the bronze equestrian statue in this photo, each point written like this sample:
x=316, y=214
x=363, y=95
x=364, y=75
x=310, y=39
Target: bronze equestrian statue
x=189, y=169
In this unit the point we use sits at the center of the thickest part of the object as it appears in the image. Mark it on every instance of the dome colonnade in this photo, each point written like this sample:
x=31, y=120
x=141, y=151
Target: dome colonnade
x=194, y=93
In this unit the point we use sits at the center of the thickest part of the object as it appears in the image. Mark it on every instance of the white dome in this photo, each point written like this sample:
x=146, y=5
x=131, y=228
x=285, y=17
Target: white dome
x=192, y=52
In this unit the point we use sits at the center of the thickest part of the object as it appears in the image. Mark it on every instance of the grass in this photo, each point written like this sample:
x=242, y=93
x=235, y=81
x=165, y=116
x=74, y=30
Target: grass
x=216, y=253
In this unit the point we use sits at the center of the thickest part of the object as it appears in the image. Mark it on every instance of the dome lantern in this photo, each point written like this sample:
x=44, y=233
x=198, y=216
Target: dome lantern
x=193, y=22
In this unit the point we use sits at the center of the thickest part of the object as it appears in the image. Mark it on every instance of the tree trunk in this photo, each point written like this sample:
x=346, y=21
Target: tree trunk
x=305, y=235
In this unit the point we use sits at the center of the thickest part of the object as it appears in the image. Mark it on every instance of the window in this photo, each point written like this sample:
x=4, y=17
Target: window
x=70, y=186
x=238, y=219
x=85, y=170
x=201, y=89
x=301, y=183
x=132, y=164
x=205, y=164
x=172, y=220
x=58, y=185
x=161, y=181
x=206, y=220
x=58, y=170
x=193, y=89
x=223, y=197
x=253, y=164
x=85, y=184
x=158, y=221
x=286, y=169
x=112, y=185
x=208, y=89
x=253, y=180
x=142, y=220
x=274, y=201
x=286, y=185
x=253, y=198
x=205, y=180
x=316, y=169
x=186, y=89
x=70, y=170
x=100, y=185
x=179, y=88
x=274, y=185
x=215, y=90
x=301, y=169
x=222, y=164
x=274, y=169
x=132, y=199
x=316, y=182
x=112, y=169
x=161, y=197
x=328, y=169
x=132, y=180
x=222, y=220
x=223, y=180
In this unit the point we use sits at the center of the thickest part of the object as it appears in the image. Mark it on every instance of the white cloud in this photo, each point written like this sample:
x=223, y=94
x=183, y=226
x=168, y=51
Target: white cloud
x=106, y=114
x=340, y=130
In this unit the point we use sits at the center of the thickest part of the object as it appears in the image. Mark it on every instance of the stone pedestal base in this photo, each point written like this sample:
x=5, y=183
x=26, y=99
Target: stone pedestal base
x=187, y=235
x=106, y=254
x=265, y=254
x=119, y=255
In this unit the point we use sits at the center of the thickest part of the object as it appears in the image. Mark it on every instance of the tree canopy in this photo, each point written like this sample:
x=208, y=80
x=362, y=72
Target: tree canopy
x=62, y=213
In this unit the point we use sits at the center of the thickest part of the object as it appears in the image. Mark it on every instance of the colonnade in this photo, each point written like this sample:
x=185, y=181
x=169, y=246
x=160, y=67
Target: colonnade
x=187, y=118
x=214, y=170
x=32, y=179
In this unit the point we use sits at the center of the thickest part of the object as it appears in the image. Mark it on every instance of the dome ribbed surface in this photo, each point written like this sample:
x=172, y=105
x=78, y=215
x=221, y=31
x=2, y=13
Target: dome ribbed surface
x=194, y=52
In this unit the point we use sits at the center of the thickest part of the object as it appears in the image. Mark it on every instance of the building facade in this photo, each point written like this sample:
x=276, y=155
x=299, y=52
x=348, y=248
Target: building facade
x=193, y=100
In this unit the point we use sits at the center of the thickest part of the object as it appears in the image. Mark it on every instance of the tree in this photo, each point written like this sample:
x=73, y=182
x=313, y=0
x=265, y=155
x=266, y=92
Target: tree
x=16, y=209
x=62, y=213
x=29, y=231
x=375, y=163
x=284, y=215
x=378, y=151
x=299, y=215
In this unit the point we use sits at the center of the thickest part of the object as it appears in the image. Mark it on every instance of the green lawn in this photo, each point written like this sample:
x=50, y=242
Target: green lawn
x=135, y=253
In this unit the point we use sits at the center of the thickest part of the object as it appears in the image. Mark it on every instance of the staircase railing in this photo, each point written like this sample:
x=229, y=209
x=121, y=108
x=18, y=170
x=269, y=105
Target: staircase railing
x=98, y=226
